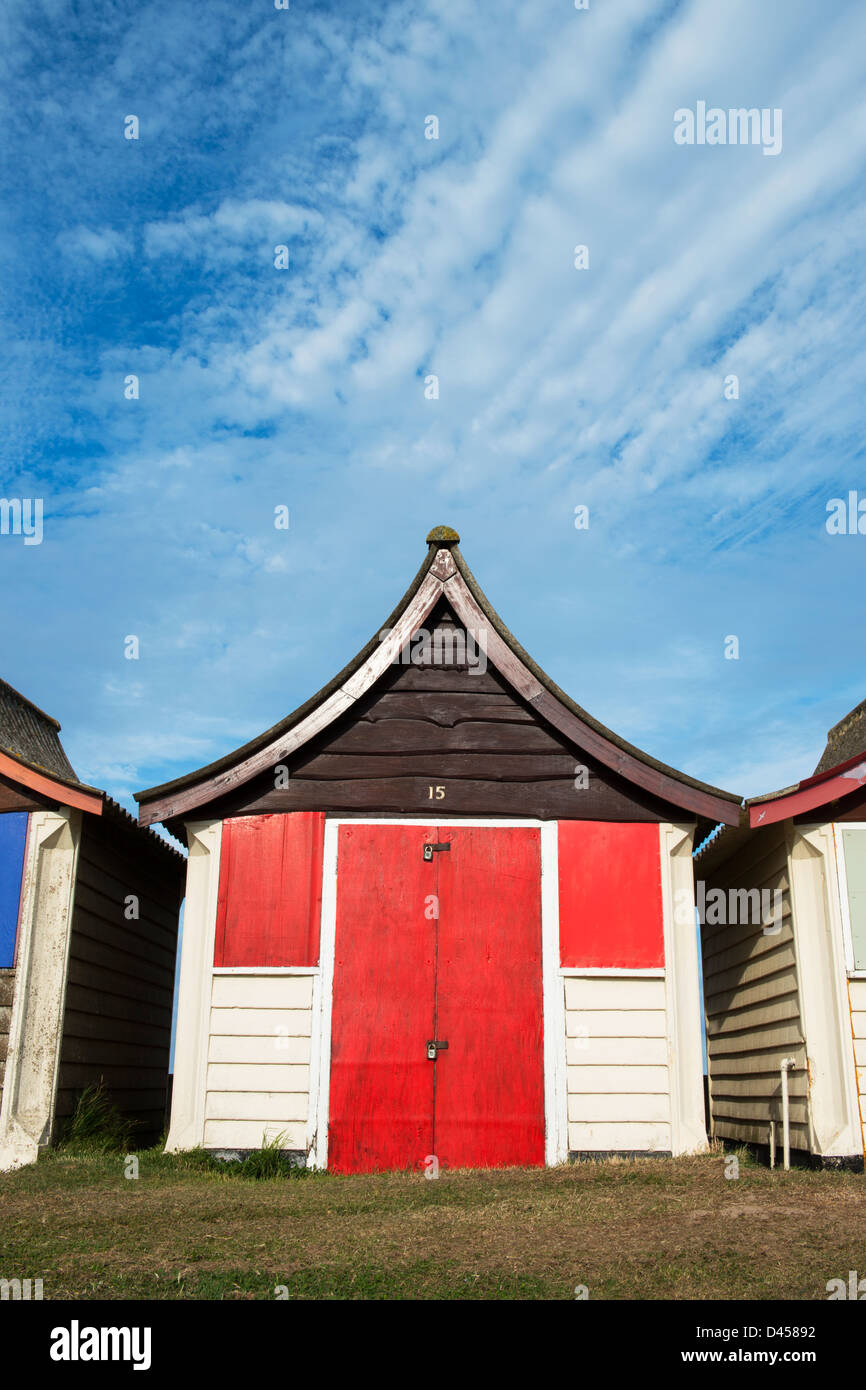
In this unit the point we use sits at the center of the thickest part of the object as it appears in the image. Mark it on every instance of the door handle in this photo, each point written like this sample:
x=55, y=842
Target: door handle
x=433, y=1047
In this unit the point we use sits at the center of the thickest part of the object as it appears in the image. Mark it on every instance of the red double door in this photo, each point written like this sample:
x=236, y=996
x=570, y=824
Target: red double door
x=438, y=940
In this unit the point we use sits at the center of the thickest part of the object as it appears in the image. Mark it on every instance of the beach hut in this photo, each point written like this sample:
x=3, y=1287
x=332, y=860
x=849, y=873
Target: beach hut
x=88, y=935
x=783, y=903
x=439, y=915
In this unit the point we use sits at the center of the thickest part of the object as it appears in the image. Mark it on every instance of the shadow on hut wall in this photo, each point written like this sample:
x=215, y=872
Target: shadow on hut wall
x=121, y=974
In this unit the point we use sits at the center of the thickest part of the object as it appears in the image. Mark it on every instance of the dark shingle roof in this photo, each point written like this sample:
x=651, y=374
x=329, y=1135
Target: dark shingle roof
x=845, y=740
x=31, y=736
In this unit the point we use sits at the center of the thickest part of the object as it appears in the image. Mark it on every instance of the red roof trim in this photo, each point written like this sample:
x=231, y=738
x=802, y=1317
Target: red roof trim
x=47, y=786
x=812, y=794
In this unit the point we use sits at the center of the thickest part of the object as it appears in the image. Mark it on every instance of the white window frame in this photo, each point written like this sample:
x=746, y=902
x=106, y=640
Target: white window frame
x=842, y=880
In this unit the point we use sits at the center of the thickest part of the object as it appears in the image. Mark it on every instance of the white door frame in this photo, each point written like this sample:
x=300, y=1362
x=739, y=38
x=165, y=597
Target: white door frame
x=553, y=1005
x=842, y=879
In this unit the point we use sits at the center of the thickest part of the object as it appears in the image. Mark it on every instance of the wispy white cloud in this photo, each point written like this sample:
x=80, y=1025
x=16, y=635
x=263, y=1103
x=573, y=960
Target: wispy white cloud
x=410, y=257
x=96, y=244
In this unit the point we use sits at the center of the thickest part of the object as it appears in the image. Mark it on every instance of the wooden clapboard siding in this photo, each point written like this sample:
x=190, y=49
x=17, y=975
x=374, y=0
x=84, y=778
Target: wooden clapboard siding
x=251, y=1134
x=258, y=1066
x=857, y=998
x=261, y=992
x=619, y=1053
x=752, y=1003
x=618, y=1076
x=237, y=1049
x=120, y=976
x=7, y=994
x=451, y=726
x=260, y=1023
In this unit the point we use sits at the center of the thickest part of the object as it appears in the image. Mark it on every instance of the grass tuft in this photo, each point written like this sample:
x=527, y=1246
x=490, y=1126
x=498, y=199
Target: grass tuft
x=269, y=1162
x=97, y=1125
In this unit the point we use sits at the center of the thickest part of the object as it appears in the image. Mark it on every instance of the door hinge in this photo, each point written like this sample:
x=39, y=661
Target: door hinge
x=430, y=850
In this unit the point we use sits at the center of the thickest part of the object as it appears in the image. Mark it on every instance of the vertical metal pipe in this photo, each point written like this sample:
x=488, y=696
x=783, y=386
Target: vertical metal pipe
x=787, y=1063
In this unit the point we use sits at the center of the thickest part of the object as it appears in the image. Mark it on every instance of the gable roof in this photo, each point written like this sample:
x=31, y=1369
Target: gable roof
x=30, y=735
x=811, y=794
x=443, y=573
x=32, y=756
x=840, y=771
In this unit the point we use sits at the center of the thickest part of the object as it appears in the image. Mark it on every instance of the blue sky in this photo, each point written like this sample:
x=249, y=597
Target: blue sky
x=304, y=387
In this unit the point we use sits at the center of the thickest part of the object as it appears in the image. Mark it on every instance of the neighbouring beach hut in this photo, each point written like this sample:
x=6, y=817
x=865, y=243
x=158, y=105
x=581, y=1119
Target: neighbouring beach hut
x=784, y=949
x=439, y=914
x=88, y=936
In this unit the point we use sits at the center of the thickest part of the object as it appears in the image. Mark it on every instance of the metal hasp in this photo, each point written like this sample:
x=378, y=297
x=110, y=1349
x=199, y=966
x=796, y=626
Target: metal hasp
x=430, y=850
x=433, y=1047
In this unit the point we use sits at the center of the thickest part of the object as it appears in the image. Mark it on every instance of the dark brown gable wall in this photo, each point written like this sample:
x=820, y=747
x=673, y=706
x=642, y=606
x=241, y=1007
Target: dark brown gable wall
x=851, y=807
x=430, y=727
x=12, y=798
x=120, y=983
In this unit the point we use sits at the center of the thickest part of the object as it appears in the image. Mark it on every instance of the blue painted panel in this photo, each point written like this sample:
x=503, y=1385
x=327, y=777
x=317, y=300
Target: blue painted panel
x=13, y=835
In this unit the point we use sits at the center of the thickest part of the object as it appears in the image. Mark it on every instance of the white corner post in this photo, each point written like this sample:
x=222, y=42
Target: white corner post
x=555, y=1059
x=834, y=1109
x=186, y=1130
x=36, y=1025
x=682, y=990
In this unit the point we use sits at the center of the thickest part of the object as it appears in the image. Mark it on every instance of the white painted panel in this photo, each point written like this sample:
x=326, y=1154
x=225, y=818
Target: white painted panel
x=273, y=1076
x=627, y=1052
x=637, y=1138
x=262, y=991
x=608, y=1080
x=295, y=1023
x=619, y=1108
x=611, y=1023
x=617, y=992
x=248, y=1134
x=273, y=1048
x=860, y=1052
x=256, y=1105
x=858, y=1021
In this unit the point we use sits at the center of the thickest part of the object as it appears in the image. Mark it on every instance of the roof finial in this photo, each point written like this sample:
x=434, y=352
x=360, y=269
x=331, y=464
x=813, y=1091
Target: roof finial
x=443, y=535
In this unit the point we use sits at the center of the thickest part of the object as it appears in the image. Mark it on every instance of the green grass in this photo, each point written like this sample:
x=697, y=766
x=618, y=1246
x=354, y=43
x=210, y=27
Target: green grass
x=192, y=1227
x=97, y=1125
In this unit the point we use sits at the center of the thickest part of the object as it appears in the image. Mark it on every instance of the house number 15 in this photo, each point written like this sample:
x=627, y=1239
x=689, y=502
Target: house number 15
x=440, y=793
